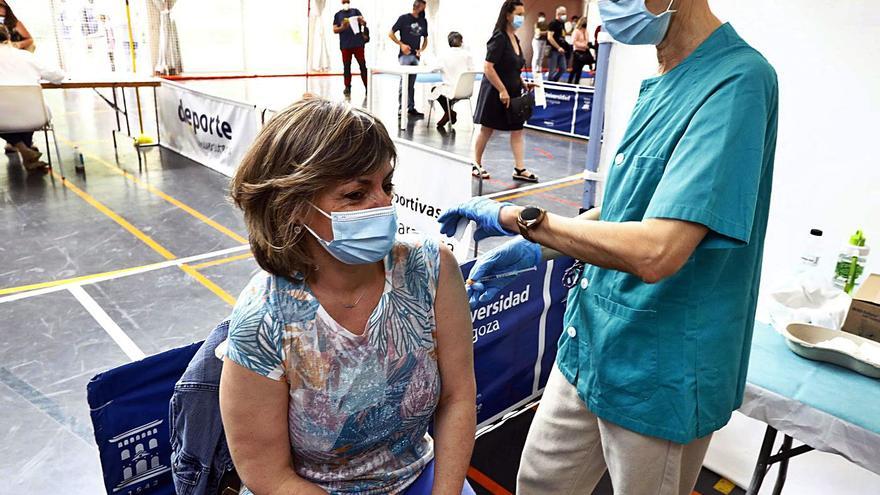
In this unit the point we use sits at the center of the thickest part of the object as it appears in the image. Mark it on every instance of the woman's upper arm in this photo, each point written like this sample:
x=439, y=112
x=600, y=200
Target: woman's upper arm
x=254, y=411
x=454, y=332
x=25, y=34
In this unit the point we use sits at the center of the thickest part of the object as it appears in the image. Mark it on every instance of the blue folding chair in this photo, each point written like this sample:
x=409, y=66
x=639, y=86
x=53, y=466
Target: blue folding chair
x=129, y=409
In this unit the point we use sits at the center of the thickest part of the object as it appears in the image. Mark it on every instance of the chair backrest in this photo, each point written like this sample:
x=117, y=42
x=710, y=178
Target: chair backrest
x=22, y=108
x=464, y=88
x=129, y=409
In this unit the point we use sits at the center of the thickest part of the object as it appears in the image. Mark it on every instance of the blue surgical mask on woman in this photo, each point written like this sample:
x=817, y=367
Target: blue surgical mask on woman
x=631, y=23
x=518, y=21
x=361, y=236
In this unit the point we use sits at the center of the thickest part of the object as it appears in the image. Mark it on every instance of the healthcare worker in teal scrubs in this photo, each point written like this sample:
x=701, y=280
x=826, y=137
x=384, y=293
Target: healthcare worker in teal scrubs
x=658, y=327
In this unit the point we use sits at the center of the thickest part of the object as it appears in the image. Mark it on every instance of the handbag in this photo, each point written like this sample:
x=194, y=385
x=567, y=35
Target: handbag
x=365, y=34
x=521, y=108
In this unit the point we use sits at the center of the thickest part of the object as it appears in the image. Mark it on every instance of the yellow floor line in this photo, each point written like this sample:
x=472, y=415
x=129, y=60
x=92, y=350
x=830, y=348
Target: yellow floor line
x=146, y=240
x=539, y=190
x=153, y=189
x=222, y=294
x=114, y=274
x=155, y=246
x=84, y=278
x=222, y=261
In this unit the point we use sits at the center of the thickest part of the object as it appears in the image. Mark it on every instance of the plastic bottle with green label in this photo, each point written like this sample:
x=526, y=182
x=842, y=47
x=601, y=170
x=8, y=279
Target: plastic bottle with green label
x=851, y=263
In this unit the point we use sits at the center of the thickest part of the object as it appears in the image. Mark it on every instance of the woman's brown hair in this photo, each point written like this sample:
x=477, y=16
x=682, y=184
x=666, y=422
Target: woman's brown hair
x=307, y=147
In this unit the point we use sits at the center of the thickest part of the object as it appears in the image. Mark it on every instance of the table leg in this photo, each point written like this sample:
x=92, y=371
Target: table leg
x=369, y=90
x=116, y=113
x=762, y=465
x=125, y=112
x=156, y=109
x=783, y=466
x=404, y=98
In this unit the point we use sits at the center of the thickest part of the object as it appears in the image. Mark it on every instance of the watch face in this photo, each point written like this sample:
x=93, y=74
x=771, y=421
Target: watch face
x=530, y=213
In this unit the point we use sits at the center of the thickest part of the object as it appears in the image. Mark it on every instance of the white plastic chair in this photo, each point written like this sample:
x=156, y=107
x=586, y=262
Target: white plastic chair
x=463, y=90
x=30, y=113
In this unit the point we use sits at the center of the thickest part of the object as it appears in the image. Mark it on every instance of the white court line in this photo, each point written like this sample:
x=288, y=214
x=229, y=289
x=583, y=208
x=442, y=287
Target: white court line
x=121, y=338
x=143, y=269
x=590, y=176
x=542, y=326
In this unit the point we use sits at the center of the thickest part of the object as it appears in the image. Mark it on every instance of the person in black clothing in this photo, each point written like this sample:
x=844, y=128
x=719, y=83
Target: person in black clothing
x=503, y=80
x=557, y=60
x=413, y=29
x=350, y=43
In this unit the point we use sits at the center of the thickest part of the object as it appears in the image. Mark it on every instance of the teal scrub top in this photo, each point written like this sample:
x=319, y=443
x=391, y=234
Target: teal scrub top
x=669, y=360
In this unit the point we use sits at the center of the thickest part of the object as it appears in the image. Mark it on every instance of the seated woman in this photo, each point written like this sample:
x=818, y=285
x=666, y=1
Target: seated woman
x=352, y=341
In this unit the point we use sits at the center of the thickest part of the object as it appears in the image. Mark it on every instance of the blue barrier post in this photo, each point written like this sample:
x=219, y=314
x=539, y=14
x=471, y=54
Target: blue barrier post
x=594, y=147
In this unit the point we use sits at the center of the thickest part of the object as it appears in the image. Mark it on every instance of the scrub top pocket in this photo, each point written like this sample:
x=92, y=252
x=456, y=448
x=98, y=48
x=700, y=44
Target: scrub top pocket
x=635, y=179
x=625, y=354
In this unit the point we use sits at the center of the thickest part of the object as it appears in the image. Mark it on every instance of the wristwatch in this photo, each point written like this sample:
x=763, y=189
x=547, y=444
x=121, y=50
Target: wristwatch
x=528, y=219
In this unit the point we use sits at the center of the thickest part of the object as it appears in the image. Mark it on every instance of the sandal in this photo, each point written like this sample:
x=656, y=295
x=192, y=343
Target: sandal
x=524, y=175
x=478, y=171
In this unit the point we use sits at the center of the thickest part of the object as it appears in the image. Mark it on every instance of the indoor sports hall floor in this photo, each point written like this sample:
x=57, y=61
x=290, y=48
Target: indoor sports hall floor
x=116, y=263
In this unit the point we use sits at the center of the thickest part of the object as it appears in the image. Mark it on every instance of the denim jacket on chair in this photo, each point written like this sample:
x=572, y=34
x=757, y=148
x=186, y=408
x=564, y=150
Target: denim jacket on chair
x=199, y=453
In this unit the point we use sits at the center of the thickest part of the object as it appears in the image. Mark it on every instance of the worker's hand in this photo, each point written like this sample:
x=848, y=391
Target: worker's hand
x=362, y=21
x=561, y=50
x=405, y=49
x=506, y=259
x=529, y=85
x=483, y=211
x=505, y=98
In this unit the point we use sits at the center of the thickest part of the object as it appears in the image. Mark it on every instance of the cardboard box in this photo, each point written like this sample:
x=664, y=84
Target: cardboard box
x=863, y=318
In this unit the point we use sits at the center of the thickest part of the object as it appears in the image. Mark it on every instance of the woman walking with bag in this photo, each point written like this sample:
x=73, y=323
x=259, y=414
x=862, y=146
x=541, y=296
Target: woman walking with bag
x=503, y=82
x=582, y=56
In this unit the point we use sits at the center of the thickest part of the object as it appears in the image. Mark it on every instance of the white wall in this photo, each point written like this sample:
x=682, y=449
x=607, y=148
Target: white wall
x=827, y=172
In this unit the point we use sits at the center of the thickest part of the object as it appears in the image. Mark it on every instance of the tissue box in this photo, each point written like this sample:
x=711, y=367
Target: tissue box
x=863, y=318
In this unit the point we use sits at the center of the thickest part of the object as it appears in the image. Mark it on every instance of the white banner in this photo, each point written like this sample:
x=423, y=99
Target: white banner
x=212, y=131
x=427, y=181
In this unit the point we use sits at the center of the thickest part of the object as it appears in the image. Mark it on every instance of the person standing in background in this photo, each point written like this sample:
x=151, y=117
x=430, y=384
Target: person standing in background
x=502, y=81
x=19, y=35
x=351, y=43
x=539, y=43
x=581, y=56
x=569, y=37
x=413, y=29
x=556, y=62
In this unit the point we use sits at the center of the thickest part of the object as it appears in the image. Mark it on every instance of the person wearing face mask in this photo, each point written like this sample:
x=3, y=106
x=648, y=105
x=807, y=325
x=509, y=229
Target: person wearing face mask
x=659, y=319
x=539, y=43
x=352, y=340
x=503, y=81
x=557, y=58
x=351, y=44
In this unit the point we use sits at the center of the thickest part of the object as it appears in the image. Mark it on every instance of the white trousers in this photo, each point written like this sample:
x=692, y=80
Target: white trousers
x=538, y=48
x=568, y=449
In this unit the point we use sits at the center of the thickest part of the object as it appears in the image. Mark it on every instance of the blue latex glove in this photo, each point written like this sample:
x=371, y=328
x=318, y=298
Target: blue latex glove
x=485, y=212
x=512, y=256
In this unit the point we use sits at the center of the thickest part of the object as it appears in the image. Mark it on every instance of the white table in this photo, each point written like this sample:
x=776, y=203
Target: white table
x=828, y=408
x=402, y=71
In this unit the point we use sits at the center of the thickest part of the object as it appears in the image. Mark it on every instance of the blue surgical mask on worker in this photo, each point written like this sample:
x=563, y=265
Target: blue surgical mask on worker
x=360, y=236
x=631, y=23
x=518, y=21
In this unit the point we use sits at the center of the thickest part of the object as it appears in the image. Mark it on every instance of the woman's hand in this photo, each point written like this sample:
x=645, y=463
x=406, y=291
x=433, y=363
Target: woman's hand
x=505, y=98
x=405, y=49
